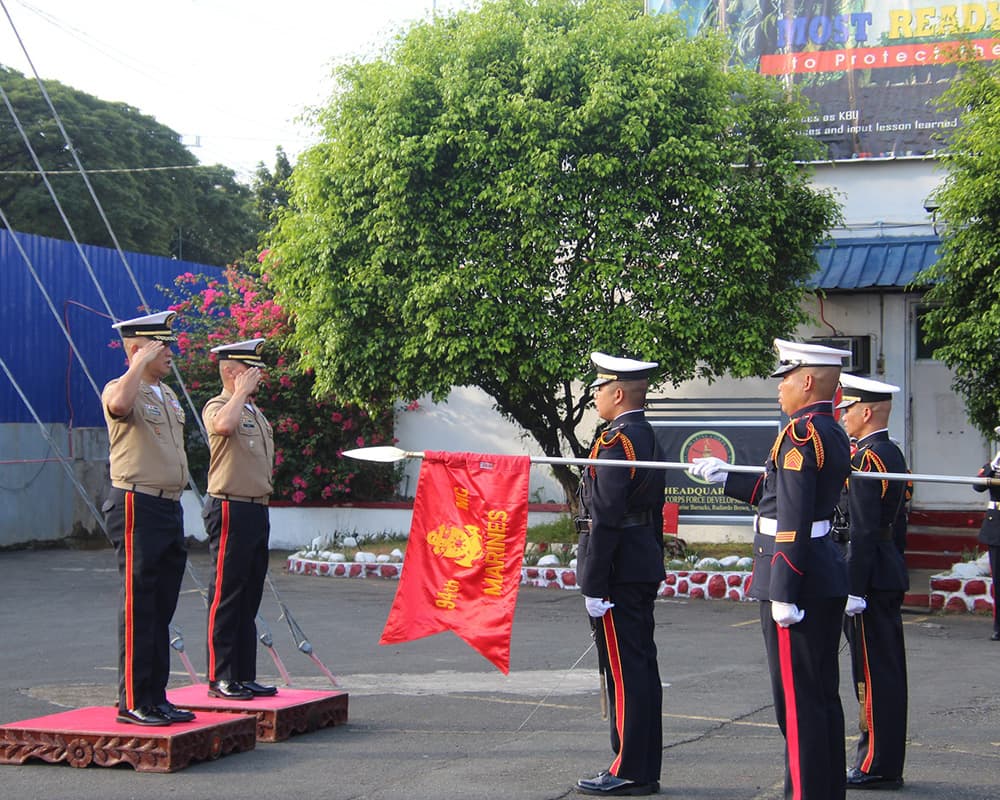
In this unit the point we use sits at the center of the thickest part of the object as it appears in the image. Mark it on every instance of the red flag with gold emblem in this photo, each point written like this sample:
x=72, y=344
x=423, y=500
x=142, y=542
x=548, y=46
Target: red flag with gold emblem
x=463, y=559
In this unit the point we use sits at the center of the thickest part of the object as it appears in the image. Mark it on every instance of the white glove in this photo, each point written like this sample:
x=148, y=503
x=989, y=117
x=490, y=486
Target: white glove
x=596, y=606
x=855, y=605
x=786, y=614
x=709, y=469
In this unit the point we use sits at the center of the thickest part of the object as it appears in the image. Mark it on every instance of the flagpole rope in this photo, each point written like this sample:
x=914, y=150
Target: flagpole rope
x=548, y=694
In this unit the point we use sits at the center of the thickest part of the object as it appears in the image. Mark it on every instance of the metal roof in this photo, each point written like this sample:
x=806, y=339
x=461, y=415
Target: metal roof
x=884, y=262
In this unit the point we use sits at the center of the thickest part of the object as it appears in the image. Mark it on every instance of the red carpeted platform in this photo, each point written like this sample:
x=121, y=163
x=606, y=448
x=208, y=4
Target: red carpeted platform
x=91, y=735
x=278, y=717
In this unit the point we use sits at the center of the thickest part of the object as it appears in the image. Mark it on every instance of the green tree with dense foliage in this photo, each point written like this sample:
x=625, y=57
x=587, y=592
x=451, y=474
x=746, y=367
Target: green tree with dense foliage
x=964, y=318
x=157, y=198
x=506, y=190
x=270, y=189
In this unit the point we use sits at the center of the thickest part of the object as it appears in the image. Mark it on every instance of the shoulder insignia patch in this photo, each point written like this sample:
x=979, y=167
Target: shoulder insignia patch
x=793, y=460
x=785, y=537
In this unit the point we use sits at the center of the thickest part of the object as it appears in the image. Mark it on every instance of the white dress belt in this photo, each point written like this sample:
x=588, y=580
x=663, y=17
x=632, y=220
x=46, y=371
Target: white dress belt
x=769, y=527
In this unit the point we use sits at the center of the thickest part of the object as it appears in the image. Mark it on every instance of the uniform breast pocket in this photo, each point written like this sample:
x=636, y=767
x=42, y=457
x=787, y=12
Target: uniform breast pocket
x=153, y=414
x=249, y=428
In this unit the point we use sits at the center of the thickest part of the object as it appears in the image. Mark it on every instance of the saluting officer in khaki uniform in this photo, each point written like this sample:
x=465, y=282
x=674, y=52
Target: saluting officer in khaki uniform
x=236, y=519
x=144, y=518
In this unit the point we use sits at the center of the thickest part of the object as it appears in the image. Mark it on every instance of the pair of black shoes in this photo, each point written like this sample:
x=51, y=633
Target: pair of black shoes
x=995, y=636
x=240, y=690
x=155, y=716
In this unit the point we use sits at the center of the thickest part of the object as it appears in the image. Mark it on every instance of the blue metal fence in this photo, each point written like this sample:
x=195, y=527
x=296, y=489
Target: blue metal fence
x=31, y=342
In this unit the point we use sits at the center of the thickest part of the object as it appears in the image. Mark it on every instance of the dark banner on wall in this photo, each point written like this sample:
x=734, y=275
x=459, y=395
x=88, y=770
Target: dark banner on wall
x=872, y=69
x=736, y=442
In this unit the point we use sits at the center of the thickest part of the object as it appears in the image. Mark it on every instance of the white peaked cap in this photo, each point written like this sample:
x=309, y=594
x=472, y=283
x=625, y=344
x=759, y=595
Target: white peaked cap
x=856, y=389
x=612, y=368
x=792, y=355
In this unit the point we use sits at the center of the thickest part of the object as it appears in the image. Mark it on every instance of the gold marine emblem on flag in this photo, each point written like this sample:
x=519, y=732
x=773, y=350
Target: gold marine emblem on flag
x=463, y=545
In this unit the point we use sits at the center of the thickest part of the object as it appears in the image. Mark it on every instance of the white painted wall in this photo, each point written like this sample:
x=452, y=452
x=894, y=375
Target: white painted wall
x=467, y=421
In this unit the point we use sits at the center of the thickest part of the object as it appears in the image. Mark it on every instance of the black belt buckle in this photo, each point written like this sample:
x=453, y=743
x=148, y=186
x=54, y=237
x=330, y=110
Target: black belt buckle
x=582, y=525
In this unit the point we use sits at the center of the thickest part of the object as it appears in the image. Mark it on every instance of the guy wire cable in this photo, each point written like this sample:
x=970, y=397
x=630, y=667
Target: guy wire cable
x=52, y=194
x=55, y=449
x=121, y=254
x=97, y=203
x=62, y=458
x=90, y=270
x=48, y=300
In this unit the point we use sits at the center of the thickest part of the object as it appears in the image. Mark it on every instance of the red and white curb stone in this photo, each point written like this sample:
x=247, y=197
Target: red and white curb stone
x=948, y=593
x=958, y=594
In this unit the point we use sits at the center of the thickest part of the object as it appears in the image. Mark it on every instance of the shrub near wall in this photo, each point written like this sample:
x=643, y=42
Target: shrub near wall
x=310, y=432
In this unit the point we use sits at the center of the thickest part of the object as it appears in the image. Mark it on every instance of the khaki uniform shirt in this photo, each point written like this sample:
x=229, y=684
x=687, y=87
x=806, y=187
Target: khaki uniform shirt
x=147, y=444
x=241, y=464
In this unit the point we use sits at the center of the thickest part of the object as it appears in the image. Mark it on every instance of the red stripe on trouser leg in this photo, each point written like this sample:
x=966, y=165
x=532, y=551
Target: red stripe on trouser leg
x=791, y=710
x=220, y=562
x=129, y=609
x=866, y=765
x=615, y=665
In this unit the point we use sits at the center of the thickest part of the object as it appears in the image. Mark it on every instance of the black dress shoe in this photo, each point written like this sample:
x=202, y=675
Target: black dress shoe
x=229, y=690
x=856, y=779
x=608, y=785
x=995, y=636
x=259, y=689
x=175, y=714
x=146, y=715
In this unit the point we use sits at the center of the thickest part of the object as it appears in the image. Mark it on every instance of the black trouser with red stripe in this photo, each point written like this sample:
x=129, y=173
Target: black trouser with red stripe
x=805, y=682
x=878, y=658
x=626, y=648
x=994, y=565
x=148, y=534
x=237, y=538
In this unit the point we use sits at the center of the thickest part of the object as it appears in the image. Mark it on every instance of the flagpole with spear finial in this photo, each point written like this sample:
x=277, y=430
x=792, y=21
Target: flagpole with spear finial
x=390, y=454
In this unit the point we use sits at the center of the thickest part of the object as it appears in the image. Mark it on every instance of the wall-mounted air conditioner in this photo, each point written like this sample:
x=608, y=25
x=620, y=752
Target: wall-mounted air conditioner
x=860, y=362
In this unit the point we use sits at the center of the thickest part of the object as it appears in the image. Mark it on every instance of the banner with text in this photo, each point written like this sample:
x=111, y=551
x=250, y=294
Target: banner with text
x=463, y=558
x=872, y=69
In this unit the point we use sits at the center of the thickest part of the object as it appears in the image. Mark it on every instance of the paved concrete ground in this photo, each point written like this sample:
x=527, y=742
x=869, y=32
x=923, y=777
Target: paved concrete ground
x=433, y=719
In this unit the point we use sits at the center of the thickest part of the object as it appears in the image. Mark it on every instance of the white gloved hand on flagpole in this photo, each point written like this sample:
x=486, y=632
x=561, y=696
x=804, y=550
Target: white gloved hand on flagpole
x=709, y=469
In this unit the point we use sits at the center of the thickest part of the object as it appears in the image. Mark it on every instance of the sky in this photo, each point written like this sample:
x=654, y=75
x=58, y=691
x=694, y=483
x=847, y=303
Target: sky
x=232, y=77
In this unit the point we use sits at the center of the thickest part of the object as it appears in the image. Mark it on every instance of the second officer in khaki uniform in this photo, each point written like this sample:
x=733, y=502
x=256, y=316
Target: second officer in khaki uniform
x=236, y=520
x=144, y=518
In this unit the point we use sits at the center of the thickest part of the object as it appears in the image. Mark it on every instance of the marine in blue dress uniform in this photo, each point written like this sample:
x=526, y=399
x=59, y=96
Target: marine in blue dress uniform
x=799, y=574
x=989, y=531
x=619, y=570
x=876, y=513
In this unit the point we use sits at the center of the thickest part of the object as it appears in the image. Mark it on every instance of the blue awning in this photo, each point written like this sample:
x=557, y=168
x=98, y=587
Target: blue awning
x=880, y=263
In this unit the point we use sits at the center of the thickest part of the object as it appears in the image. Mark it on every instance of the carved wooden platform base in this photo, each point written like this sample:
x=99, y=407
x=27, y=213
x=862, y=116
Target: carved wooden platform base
x=91, y=735
x=289, y=711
